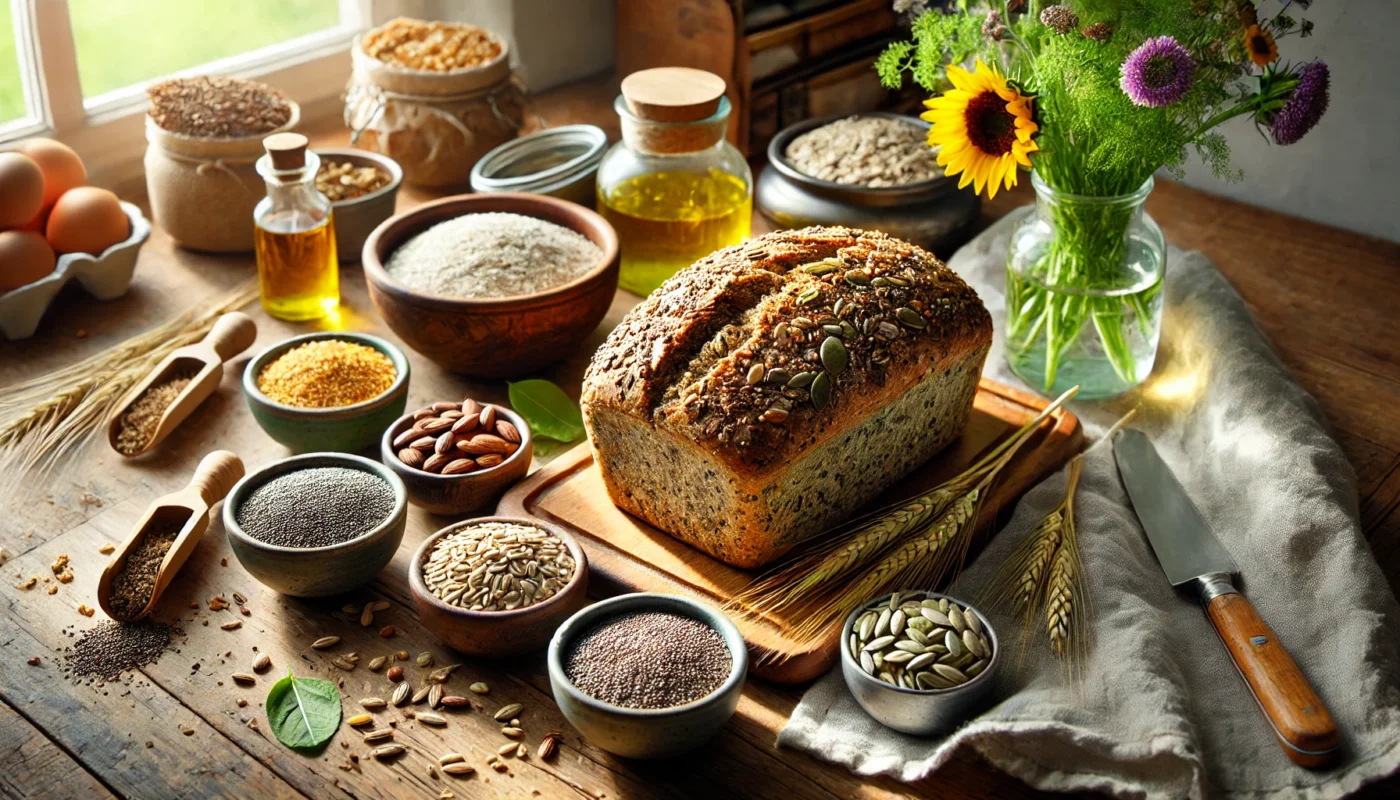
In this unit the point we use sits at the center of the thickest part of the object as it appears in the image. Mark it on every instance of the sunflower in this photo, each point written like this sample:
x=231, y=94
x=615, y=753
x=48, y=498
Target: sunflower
x=982, y=127
x=1260, y=45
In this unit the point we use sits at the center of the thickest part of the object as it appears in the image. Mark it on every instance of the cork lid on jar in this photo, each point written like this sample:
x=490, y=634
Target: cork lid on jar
x=673, y=109
x=288, y=150
x=673, y=94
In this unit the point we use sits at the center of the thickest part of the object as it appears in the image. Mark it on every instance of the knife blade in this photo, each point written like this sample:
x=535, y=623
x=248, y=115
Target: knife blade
x=1191, y=555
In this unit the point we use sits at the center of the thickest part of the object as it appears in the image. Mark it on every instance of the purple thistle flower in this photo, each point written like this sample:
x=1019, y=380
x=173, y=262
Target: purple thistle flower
x=1158, y=73
x=1305, y=106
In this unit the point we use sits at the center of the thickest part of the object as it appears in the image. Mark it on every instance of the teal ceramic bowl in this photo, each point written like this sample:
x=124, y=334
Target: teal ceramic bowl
x=347, y=429
x=317, y=571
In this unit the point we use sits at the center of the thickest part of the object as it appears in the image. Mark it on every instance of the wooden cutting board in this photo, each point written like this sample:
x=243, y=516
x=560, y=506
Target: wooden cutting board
x=626, y=554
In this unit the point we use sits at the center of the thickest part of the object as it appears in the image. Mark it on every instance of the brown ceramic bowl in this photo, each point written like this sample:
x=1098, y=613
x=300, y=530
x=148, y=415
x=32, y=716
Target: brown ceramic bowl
x=499, y=337
x=497, y=634
x=459, y=494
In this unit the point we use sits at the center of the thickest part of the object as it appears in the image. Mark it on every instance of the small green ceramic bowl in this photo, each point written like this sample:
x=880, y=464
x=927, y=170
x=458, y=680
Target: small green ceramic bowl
x=347, y=429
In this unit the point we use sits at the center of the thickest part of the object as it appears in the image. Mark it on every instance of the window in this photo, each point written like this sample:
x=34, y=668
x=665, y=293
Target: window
x=11, y=81
x=121, y=44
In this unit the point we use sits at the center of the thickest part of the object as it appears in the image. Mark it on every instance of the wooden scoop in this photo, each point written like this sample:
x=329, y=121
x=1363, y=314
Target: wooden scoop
x=233, y=333
x=189, y=508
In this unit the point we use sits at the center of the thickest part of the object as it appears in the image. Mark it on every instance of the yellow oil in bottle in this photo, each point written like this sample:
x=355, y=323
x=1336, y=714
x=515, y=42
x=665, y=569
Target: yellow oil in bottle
x=297, y=267
x=669, y=220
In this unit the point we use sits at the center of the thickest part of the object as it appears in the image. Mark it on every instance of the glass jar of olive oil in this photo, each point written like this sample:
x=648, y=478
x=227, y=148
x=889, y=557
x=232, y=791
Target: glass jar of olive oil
x=674, y=189
x=294, y=240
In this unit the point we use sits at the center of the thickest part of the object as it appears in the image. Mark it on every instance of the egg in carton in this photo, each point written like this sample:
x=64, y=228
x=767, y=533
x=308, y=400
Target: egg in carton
x=106, y=276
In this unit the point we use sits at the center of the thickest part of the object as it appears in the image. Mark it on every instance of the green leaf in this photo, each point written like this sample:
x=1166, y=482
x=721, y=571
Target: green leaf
x=304, y=714
x=548, y=411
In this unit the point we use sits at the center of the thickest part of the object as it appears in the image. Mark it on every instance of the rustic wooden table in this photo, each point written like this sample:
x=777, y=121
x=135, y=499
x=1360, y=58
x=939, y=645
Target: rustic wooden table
x=1325, y=297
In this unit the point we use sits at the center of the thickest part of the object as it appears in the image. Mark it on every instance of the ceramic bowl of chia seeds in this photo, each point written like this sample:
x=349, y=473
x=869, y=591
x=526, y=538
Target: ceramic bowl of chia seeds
x=648, y=675
x=919, y=662
x=316, y=524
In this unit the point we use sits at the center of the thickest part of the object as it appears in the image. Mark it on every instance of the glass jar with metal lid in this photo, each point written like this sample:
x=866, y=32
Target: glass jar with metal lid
x=674, y=189
x=561, y=162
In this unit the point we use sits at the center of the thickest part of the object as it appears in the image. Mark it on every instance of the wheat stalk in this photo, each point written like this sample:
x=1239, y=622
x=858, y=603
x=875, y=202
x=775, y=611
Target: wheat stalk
x=59, y=413
x=1065, y=575
x=1044, y=540
x=914, y=542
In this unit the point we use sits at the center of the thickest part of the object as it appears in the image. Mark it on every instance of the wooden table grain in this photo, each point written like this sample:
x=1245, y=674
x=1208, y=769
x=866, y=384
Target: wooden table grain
x=1326, y=298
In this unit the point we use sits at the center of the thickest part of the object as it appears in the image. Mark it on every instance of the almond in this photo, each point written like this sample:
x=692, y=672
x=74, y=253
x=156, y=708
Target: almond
x=444, y=443
x=453, y=415
x=403, y=439
x=459, y=466
x=436, y=462
x=471, y=408
x=424, y=443
x=508, y=431
x=483, y=443
x=424, y=413
x=488, y=418
x=411, y=457
x=465, y=424
x=489, y=460
x=436, y=425
x=442, y=406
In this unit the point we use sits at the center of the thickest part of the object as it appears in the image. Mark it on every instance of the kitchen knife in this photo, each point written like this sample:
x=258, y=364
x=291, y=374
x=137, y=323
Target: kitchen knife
x=1191, y=556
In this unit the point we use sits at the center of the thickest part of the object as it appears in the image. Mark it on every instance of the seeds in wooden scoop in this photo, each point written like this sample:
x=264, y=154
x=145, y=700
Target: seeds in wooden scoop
x=134, y=582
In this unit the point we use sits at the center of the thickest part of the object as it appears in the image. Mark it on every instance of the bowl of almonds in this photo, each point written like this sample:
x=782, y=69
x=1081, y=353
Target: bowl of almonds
x=456, y=458
x=919, y=662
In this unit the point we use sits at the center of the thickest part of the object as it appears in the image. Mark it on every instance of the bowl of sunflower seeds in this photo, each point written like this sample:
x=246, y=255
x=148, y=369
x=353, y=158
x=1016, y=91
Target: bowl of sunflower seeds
x=919, y=662
x=363, y=188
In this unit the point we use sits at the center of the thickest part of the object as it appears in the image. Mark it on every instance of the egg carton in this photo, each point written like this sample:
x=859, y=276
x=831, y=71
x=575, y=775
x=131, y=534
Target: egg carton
x=105, y=277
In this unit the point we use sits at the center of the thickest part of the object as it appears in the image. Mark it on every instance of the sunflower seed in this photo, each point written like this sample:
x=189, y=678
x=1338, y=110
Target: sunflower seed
x=325, y=641
x=379, y=735
x=435, y=695
x=755, y=374
x=421, y=695
x=507, y=711
x=431, y=718
x=402, y=693
x=373, y=702
x=377, y=664
x=387, y=751
x=549, y=745
x=458, y=768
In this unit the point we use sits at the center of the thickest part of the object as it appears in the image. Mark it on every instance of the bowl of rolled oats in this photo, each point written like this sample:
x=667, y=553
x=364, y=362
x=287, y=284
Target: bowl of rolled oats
x=363, y=188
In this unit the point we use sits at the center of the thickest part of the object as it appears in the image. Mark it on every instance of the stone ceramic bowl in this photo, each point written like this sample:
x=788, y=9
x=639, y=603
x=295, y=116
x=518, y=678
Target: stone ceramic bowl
x=356, y=218
x=317, y=571
x=497, y=634
x=921, y=712
x=501, y=337
x=454, y=495
x=347, y=429
x=646, y=733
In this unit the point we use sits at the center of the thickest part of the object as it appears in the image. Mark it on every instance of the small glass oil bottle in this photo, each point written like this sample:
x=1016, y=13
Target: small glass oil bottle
x=674, y=189
x=295, y=236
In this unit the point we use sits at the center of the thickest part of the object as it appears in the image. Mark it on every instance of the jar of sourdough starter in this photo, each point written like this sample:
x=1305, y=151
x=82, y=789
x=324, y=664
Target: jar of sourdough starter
x=294, y=238
x=674, y=188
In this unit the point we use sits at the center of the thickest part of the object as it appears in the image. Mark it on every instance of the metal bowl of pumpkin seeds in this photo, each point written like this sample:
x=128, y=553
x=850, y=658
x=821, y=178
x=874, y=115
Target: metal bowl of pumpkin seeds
x=919, y=662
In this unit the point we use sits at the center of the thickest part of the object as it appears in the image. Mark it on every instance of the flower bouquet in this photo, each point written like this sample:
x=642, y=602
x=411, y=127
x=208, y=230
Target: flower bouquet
x=1094, y=97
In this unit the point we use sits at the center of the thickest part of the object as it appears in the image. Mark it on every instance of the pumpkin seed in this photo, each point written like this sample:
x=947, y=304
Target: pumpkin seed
x=778, y=376
x=912, y=318
x=806, y=296
x=833, y=355
x=950, y=672
x=857, y=277
x=820, y=268
x=821, y=391
x=802, y=380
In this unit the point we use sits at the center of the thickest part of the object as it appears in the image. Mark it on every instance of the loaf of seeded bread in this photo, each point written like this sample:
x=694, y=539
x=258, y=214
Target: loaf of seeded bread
x=770, y=389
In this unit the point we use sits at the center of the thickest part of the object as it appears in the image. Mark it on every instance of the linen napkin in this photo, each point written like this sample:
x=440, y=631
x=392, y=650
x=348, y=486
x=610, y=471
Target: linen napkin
x=1158, y=709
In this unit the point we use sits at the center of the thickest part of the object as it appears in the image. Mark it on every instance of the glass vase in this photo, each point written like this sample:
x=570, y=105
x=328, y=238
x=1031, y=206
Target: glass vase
x=1084, y=292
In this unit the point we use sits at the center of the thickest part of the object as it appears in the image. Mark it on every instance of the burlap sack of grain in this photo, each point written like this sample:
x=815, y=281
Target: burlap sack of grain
x=435, y=124
x=203, y=190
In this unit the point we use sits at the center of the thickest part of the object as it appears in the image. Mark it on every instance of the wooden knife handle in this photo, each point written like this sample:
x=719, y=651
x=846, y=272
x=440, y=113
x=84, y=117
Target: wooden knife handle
x=1301, y=722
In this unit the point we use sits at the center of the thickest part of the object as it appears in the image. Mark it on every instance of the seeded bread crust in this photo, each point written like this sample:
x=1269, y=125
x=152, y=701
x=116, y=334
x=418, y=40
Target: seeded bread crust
x=765, y=354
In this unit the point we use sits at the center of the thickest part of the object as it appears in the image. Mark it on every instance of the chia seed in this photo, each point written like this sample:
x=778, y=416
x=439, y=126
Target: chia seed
x=107, y=650
x=316, y=507
x=649, y=659
x=132, y=585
